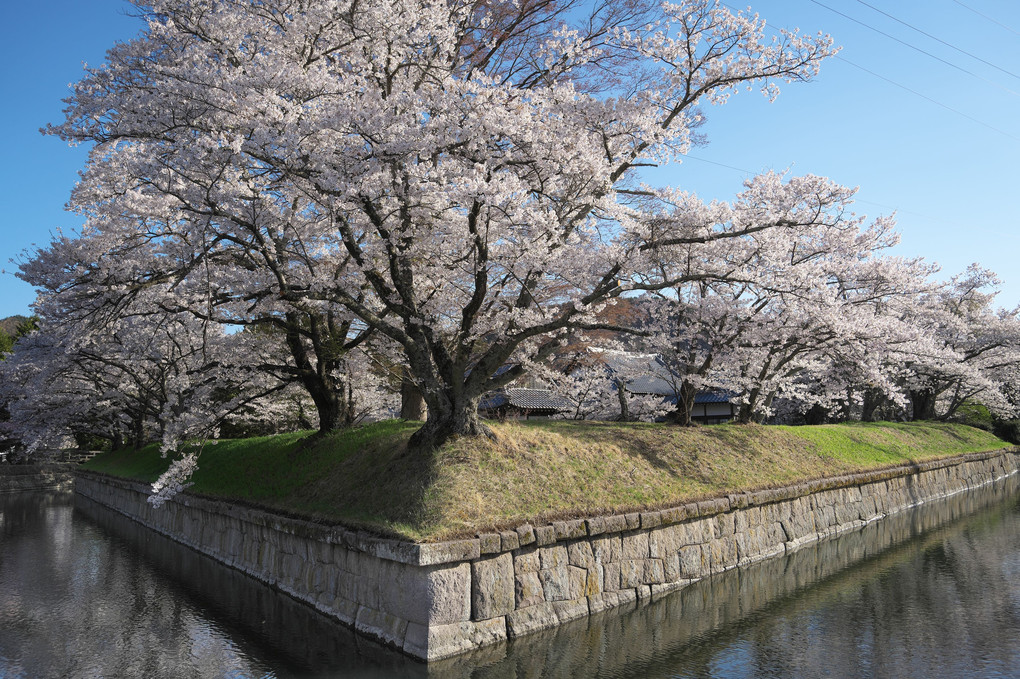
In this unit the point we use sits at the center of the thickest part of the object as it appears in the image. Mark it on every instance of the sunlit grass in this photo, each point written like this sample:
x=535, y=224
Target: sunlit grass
x=536, y=470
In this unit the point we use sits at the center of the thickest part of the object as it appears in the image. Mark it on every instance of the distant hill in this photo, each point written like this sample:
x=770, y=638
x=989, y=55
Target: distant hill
x=10, y=324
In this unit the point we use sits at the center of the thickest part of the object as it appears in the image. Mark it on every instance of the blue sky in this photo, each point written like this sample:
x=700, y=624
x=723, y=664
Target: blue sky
x=936, y=142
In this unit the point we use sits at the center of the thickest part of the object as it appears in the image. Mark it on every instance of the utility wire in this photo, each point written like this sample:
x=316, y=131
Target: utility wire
x=937, y=103
x=915, y=48
x=856, y=200
x=712, y=162
x=914, y=28
x=893, y=82
x=985, y=16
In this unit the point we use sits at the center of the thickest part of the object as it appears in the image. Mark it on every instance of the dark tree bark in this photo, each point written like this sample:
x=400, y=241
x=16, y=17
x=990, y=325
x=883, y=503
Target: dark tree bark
x=873, y=398
x=412, y=403
x=685, y=404
x=621, y=395
x=922, y=403
x=816, y=414
x=448, y=418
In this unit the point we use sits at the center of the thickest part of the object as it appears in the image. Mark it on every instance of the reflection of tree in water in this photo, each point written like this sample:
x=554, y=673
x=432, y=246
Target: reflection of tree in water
x=922, y=593
x=218, y=619
x=75, y=603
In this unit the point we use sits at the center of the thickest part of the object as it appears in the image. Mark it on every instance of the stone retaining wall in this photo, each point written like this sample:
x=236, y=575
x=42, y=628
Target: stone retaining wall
x=437, y=600
x=16, y=478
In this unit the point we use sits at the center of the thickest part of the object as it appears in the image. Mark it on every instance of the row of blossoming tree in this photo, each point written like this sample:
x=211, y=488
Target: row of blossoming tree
x=292, y=208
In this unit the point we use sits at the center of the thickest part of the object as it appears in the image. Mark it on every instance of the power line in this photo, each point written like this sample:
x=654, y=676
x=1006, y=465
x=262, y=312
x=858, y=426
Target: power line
x=856, y=200
x=915, y=48
x=951, y=46
x=985, y=16
x=937, y=103
x=712, y=162
x=893, y=82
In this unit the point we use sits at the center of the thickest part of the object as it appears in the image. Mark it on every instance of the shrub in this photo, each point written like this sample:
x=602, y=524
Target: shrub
x=1008, y=430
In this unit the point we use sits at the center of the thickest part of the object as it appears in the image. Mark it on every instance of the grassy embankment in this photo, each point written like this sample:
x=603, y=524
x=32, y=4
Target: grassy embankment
x=535, y=471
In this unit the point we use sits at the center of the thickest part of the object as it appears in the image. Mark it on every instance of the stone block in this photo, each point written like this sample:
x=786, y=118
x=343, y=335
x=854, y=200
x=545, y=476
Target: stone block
x=663, y=542
x=489, y=543
x=525, y=534
x=442, y=641
x=553, y=557
x=555, y=583
x=673, y=515
x=580, y=554
x=528, y=590
x=847, y=513
x=651, y=520
x=509, y=541
x=616, y=523
x=635, y=546
x=603, y=602
x=724, y=524
x=531, y=619
x=671, y=567
x=596, y=525
x=607, y=549
x=723, y=553
x=633, y=520
x=692, y=563
x=570, y=610
x=707, y=508
x=447, y=552
x=659, y=591
x=775, y=534
x=738, y=500
x=544, y=535
x=527, y=561
x=569, y=530
x=492, y=587
x=387, y=628
x=632, y=573
x=611, y=577
x=345, y=610
x=438, y=595
x=700, y=531
x=654, y=572
x=583, y=582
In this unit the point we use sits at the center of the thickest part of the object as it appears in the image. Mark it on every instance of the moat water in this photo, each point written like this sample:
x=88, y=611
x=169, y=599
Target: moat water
x=931, y=592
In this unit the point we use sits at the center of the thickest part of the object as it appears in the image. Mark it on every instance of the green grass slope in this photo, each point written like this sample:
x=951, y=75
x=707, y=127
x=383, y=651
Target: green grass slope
x=534, y=471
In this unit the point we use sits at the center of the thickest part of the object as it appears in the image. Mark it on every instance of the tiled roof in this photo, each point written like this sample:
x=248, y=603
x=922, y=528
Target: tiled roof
x=650, y=384
x=528, y=399
x=713, y=397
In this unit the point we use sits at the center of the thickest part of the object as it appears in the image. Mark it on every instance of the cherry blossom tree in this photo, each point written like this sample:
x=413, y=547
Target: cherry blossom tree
x=970, y=350
x=461, y=174
x=145, y=378
x=780, y=304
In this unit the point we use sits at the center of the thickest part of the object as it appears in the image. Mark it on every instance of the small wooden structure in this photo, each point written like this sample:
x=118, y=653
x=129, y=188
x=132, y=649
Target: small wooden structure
x=518, y=403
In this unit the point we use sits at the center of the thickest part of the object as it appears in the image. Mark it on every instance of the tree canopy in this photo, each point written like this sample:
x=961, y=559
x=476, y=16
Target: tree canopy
x=443, y=194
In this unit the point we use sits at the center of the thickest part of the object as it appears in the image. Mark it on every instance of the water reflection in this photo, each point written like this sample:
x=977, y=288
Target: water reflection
x=922, y=594
x=927, y=593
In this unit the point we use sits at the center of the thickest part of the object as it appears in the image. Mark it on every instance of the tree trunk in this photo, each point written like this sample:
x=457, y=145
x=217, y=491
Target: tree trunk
x=745, y=414
x=872, y=400
x=137, y=431
x=922, y=403
x=816, y=414
x=331, y=396
x=448, y=416
x=621, y=394
x=329, y=405
x=412, y=403
x=685, y=404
